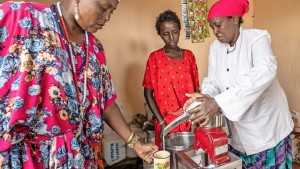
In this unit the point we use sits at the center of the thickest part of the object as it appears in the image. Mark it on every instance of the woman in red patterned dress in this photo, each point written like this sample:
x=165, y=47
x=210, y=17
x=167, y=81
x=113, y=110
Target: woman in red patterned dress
x=170, y=73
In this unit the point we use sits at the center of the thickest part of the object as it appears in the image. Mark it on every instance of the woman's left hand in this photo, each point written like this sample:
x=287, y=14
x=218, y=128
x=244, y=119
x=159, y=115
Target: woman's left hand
x=145, y=151
x=205, y=111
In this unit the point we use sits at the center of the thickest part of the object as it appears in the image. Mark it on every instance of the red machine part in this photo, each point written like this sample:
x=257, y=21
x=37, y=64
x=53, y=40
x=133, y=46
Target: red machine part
x=214, y=141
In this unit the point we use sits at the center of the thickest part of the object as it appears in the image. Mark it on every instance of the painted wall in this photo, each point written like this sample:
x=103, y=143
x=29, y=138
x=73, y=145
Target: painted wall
x=130, y=37
x=282, y=21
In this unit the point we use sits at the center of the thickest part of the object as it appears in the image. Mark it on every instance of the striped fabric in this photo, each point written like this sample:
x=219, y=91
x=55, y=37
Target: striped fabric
x=278, y=157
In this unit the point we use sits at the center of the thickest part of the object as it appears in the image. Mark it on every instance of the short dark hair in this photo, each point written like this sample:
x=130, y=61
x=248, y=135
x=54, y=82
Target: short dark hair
x=167, y=15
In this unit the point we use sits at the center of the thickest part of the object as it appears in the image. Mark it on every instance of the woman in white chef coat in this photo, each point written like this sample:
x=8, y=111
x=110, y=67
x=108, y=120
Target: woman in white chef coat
x=242, y=83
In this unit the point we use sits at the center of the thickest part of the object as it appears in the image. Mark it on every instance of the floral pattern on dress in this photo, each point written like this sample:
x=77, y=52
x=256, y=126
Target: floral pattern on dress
x=39, y=111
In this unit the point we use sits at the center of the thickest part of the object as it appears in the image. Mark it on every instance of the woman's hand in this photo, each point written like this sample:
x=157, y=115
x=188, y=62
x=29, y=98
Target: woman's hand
x=203, y=112
x=145, y=151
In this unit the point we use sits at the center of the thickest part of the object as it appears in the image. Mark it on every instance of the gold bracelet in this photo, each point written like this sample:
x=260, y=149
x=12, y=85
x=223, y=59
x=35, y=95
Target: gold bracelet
x=130, y=137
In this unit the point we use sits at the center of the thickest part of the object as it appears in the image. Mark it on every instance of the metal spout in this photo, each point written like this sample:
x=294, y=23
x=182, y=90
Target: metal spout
x=176, y=122
x=180, y=119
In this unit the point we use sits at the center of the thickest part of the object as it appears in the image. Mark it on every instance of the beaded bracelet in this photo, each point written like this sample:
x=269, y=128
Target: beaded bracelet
x=133, y=140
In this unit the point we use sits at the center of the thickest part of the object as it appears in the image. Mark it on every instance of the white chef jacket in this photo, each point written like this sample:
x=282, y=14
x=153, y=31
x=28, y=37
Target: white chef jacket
x=244, y=84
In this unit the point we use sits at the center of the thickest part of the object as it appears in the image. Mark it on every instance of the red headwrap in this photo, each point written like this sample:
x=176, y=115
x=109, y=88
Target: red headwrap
x=225, y=8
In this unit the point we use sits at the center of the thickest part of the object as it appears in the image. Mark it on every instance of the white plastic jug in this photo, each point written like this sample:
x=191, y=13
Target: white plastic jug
x=114, y=148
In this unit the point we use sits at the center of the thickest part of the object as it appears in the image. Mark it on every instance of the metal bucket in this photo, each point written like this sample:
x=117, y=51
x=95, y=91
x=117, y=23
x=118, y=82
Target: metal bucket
x=150, y=137
x=177, y=142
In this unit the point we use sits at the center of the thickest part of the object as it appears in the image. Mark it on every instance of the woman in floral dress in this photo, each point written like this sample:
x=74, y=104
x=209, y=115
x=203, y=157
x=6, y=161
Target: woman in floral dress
x=55, y=86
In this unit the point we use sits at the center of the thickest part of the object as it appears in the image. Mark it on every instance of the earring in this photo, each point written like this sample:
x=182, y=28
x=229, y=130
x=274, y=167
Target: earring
x=76, y=10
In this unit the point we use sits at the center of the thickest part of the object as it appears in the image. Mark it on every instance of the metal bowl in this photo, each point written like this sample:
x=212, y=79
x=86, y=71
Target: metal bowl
x=180, y=141
x=217, y=121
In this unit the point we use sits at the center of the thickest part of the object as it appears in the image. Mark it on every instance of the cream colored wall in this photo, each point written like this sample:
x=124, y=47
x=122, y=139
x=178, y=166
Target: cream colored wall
x=282, y=21
x=129, y=38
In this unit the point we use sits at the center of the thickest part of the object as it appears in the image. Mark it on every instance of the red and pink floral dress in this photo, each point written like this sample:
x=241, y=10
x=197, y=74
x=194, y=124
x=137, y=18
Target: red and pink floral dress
x=39, y=112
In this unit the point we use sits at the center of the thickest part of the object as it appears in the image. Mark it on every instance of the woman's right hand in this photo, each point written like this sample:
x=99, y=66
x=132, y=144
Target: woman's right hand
x=145, y=151
x=202, y=113
x=192, y=98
